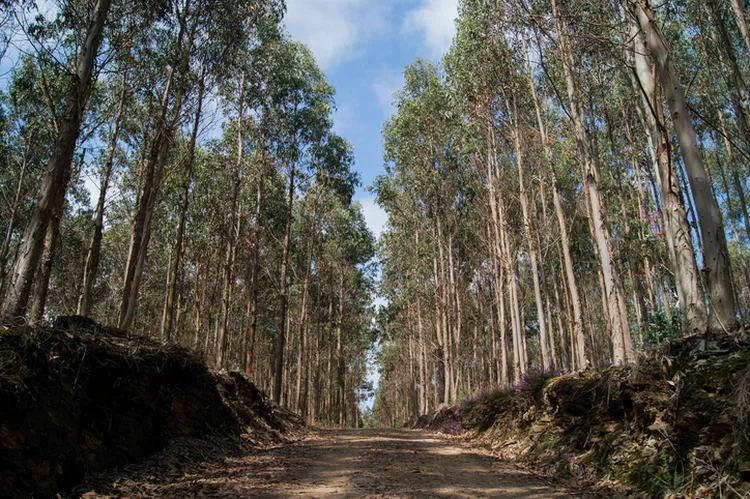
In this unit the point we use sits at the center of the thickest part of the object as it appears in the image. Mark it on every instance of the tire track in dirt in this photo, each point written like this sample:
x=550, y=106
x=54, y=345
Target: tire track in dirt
x=382, y=463
x=398, y=464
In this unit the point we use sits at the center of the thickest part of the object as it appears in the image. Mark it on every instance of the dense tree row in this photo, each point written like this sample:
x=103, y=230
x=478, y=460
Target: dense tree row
x=224, y=219
x=569, y=184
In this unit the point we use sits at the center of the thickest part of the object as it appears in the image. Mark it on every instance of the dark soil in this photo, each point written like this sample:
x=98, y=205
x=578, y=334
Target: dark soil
x=79, y=399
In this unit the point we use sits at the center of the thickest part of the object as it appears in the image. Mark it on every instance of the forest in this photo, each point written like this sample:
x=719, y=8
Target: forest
x=190, y=287
x=170, y=168
x=565, y=188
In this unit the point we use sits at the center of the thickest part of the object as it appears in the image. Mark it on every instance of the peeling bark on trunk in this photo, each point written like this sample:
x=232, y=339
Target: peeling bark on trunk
x=717, y=267
x=676, y=225
x=622, y=345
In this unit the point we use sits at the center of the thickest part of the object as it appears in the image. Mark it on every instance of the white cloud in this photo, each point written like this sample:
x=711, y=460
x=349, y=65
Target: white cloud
x=385, y=84
x=435, y=20
x=375, y=216
x=335, y=30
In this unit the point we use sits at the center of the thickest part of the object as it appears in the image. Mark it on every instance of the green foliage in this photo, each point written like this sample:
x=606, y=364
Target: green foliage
x=660, y=328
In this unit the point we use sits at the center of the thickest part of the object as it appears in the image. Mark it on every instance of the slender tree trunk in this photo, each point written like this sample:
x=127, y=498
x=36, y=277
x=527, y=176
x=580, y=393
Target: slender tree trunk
x=422, y=368
x=5, y=249
x=736, y=180
x=157, y=159
x=279, y=360
x=254, y=277
x=92, y=259
x=622, y=346
x=579, y=361
x=303, y=320
x=232, y=233
x=45, y=271
x=676, y=225
x=544, y=341
x=340, y=350
x=717, y=267
x=59, y=169
x=739, y=17
x=175, y=270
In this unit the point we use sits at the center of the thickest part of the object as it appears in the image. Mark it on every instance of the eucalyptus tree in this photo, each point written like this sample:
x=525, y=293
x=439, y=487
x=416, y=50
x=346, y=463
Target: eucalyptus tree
x=91, y=268
x=677, y=228
x=225, y=26
x=26, y=147
x=83, y=29
x=422, y=157
x=722, y=311
x=349, y=245
x=296, y=105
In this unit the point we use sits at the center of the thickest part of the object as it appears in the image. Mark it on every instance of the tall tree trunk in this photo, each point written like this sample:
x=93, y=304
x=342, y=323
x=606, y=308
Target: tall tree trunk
x=717, y=267
x=39, y=302
x=422, y=368
x=579, y=361
x=59, y=169
x=253, y=305
x=157, y=159
x=622, y=346
x=232, y=233
x=175, y=270
x=340, y=350
x=497, y=251
x=736, y=180
x=739, y=17
x=92, y=258
x=5, y=248
x=676, y=225
x=529, y=238
x=279, y=356
x=303, y=320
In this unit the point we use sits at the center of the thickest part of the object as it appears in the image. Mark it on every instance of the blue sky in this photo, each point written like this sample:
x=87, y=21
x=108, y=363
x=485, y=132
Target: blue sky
x=363, y=47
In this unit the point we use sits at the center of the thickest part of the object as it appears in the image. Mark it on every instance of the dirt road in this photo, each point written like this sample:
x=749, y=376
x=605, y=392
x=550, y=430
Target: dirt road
x=398, y=463
x=344, y=464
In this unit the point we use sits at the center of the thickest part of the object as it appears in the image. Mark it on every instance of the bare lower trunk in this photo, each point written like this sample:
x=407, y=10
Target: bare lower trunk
x=5, y=249
x=622, y=347
x=253, y=305
x=175, y=269
x=59, y=169
x=92, y=259
x=233, y=234
x=676, y=225
x=340, y=349
x=531, y=247
x=303, y=320
x=717, y=267
x=279, y=359
x=157, y=159
x=579, y=360
x=45, y=271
